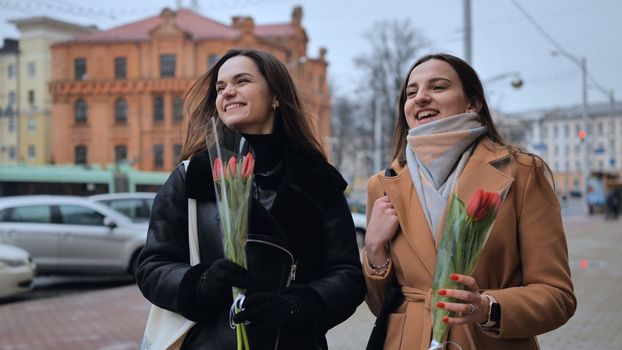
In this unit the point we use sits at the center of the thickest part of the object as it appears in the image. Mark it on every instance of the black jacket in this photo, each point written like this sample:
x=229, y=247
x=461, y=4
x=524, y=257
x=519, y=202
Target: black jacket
x=308, y=225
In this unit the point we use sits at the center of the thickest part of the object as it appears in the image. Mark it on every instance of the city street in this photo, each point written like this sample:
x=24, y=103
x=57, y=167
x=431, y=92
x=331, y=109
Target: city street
x=114, y=318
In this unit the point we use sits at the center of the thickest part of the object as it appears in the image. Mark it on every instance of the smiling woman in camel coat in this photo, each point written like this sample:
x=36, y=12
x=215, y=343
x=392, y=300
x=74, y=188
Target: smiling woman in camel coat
x=524, y=263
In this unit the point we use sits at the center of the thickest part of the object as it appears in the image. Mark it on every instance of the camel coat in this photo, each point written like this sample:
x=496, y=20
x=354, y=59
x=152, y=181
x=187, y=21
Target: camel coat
x=524, y=263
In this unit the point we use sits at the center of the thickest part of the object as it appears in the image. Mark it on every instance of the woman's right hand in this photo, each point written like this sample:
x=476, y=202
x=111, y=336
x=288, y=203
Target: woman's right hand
x=381, y=228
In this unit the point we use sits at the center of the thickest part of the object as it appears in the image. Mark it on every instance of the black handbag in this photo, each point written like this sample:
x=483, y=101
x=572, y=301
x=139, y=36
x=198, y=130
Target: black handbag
x=392, y=301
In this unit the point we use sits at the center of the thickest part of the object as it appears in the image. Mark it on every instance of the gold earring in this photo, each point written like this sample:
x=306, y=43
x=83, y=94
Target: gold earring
x=275, y=104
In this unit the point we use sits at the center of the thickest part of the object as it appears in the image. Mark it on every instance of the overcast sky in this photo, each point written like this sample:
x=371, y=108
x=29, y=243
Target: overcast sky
x=504, y=40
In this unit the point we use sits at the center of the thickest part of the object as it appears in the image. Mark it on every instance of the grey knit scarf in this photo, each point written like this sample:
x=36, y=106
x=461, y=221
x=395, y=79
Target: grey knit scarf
x=436, y=154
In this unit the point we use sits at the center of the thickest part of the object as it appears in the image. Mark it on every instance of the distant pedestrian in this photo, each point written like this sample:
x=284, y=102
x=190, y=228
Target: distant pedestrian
x=446, y=143
x=612, y=205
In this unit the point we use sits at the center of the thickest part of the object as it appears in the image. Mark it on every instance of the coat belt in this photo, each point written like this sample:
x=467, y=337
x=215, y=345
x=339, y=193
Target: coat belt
x=416, y=295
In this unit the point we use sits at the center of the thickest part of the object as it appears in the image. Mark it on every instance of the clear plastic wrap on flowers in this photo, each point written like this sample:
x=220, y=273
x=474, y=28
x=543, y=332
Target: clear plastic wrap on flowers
x=465, y=232
x=232, y=163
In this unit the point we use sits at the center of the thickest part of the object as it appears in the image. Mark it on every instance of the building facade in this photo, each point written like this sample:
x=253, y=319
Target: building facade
x=27, y=82
x=8, y=105
x=554, y=135
x=117, y=94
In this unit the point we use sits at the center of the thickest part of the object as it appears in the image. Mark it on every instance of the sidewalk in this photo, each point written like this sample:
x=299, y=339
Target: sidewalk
x=114, y=319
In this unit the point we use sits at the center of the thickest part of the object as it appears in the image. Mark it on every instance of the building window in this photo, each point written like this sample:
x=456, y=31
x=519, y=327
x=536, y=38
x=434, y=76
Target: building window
x=12, y=154
x=566, y=130
x=11, y=71
x=600, y=128
x=80, y=215
x=211, y=60
x=31, y=97
x=158, y=156
x=176, y=154
x=167, y=66
x=120, y=111
x=80, y=154
x=177, y=109
x=32, y=125
x=11, y=99
x=556, y=150
x=32, y=151
x=158, y=109
x=120, y=68
x=11, y=124
x=545, y=132
x=31, y=69
x=577, y=149
x=120, y=153
x=81, y=112
x=79, y=66
x=555, y=131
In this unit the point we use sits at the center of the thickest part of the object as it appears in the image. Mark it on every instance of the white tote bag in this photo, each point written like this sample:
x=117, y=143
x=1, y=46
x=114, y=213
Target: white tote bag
x=165, y=329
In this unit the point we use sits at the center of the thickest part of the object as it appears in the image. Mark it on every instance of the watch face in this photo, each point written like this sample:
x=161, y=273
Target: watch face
x=495, y=312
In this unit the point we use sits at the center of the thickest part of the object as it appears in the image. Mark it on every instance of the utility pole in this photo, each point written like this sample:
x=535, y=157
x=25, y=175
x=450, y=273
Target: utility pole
x=585, y=135
x=377, y=134
x=586, y=127
x=467, y=31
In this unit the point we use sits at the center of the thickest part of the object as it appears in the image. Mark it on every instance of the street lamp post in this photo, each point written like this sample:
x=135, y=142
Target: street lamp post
x=581, y=62
x=516, y=82
x=468, y=55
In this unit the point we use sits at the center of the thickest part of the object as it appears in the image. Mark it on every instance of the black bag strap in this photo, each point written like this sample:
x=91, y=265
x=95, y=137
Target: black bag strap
x=393, y=299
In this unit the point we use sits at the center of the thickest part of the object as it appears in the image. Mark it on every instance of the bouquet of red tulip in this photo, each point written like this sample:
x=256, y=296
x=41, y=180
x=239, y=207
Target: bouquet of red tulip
x=464, y=234
x=232, y=172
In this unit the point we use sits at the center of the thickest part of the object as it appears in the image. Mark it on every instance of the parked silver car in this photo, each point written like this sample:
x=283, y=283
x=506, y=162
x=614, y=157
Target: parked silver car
x=357, y=209
x=17, y=271
x=135, y=205
x=71, y=235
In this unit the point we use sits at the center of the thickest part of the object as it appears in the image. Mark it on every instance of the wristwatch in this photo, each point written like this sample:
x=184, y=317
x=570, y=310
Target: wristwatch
x=494, y=314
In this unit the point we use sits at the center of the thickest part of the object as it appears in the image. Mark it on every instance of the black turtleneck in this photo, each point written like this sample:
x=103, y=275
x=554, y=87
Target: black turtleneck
x=269, y=150
x=269, y=153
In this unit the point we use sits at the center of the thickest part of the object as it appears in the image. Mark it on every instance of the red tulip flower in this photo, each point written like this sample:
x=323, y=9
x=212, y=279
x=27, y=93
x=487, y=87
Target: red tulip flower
x=248, y=163
x=217, y=171
x=481, y=202
x=233, y=162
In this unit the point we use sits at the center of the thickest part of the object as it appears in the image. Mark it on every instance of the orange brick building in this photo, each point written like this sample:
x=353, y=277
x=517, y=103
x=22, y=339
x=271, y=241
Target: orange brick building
x=117, y=93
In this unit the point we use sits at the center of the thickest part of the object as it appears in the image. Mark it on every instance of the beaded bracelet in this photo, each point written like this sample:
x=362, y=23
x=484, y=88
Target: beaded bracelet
x=378, y=267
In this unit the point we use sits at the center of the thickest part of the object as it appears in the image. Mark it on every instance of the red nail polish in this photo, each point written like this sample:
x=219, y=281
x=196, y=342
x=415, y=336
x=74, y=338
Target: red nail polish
x=445, y=319
x=442, y=292
x=440, y=304
x=454, y=277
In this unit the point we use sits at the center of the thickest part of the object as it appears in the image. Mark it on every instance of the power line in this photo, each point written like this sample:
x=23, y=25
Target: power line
x=538, y=26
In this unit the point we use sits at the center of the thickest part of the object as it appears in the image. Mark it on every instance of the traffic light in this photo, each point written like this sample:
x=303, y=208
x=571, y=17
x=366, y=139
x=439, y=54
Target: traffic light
x=582, y=135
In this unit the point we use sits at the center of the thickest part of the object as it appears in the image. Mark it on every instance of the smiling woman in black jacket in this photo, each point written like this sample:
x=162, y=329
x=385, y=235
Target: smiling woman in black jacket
x=304, y=275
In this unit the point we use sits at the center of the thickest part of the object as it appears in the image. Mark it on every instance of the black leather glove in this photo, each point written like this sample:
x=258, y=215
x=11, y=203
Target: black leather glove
x=270, y=311
x=214, y=286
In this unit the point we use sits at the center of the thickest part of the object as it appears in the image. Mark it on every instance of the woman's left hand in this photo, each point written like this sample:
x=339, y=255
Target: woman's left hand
x=471, y=305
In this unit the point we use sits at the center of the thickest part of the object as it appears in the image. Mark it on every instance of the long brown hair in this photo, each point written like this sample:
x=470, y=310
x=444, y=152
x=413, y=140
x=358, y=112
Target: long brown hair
x=291, y=115
x=472, y=88
x=474, y=91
